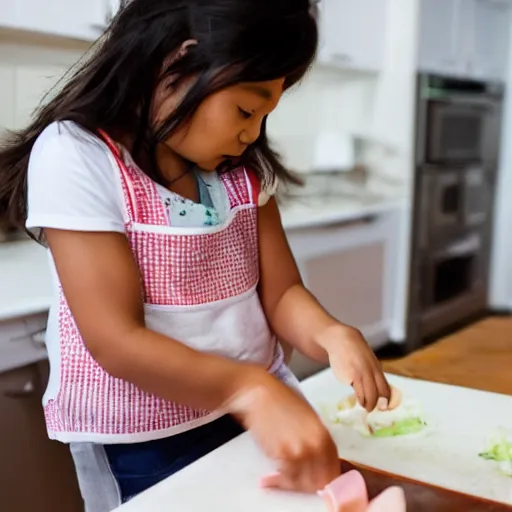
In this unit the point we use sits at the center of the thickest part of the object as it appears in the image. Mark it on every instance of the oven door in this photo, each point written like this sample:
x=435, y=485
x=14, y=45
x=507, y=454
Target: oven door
x=461, y=132
x=477, y=196
x=442, y=199
x=453, y=272
x=452, y=286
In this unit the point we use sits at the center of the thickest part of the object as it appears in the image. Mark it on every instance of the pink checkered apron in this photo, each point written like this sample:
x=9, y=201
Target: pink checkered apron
x=199, y=287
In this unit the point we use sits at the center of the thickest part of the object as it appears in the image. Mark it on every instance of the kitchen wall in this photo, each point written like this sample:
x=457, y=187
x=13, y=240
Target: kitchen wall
x=376, y=106
x=501, y=268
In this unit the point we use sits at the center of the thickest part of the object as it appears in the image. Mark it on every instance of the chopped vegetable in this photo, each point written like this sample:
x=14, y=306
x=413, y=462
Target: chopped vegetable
x=401, y=428
x=499, y=449
x=406, y=418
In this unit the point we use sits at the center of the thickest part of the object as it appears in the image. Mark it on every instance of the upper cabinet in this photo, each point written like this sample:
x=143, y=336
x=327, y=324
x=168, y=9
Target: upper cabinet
x=439, y=45
x=491, y=38
x=353, y=33
x=466, y=38
x=74, y=19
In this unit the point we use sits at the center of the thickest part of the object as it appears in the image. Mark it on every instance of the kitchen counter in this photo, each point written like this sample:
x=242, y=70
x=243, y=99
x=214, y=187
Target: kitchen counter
x=25, y=285
x=304, y=213
x=227, y=479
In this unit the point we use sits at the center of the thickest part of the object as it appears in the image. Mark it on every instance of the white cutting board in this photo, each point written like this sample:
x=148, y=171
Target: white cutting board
x=446, y=455
x=446, y=452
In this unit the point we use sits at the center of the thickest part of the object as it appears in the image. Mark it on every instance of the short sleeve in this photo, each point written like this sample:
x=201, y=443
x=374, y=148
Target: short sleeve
x=268, y=191
x=72, y=182
x=261, y=193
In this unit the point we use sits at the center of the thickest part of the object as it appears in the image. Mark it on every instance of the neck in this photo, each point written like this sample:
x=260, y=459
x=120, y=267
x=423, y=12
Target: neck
x=172, y=166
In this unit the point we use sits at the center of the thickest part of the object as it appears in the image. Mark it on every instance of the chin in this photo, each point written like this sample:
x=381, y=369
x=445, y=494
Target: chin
x=208, y=166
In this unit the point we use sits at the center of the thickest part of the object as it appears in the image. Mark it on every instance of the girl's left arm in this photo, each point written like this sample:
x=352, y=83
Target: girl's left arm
x=297, y=318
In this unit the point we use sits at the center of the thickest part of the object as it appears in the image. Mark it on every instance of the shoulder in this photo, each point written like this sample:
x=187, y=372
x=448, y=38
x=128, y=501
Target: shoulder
x=71, y=182
x=261, y=191
x=67, y=140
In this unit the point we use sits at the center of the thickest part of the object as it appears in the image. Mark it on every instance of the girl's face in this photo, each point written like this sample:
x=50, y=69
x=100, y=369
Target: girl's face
x=225, y=123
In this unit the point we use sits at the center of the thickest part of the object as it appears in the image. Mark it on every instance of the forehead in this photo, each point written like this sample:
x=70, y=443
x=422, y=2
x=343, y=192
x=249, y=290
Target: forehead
x=269, y=91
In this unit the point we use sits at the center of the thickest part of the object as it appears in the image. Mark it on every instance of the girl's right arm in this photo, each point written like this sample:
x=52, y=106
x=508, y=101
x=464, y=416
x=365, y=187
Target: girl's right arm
x=102, y=286
x=101, y=283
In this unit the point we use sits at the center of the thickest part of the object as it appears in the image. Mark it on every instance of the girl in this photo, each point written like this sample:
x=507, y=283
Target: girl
x=149, y=177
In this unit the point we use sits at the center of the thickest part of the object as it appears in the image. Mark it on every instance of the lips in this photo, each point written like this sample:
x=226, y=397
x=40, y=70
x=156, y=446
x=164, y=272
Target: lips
x=229, y=163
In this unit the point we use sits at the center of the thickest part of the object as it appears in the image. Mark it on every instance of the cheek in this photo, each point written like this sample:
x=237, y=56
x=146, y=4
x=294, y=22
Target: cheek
x=209, y=131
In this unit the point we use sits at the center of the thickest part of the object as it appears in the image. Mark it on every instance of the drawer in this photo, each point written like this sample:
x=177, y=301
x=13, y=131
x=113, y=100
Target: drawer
x=22, y=342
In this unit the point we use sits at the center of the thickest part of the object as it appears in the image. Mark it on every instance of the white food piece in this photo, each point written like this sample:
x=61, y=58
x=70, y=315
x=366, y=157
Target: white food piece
x=350, y=413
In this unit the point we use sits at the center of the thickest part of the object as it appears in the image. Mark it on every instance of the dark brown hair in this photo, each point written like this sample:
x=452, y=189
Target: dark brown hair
x=112, y=89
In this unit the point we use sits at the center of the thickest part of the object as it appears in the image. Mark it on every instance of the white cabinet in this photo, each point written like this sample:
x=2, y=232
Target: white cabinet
x=490, y=44
x=353, y=33
x=22, y=342
x=74, y=19
x=440, y=41
x=466, y=38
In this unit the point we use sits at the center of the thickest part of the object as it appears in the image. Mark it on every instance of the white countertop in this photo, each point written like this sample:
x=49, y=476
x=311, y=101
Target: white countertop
x=25, y=285
x=304, y=213
x=446, y=454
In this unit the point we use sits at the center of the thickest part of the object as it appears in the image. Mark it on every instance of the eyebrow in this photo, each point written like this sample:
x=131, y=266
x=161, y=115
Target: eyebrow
x=263, y=92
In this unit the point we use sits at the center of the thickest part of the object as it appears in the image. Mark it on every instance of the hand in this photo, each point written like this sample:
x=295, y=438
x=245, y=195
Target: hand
x=289, y=432
x=353, y=362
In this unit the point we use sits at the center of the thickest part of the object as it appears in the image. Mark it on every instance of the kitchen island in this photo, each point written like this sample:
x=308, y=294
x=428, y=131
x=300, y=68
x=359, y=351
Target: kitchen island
x=227, y=479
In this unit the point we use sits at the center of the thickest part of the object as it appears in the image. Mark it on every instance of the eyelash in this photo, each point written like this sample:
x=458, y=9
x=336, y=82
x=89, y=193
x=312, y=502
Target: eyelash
x=244, y=113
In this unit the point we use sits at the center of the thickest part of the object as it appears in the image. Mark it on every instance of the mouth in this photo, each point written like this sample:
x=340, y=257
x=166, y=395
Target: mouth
x=228, y=162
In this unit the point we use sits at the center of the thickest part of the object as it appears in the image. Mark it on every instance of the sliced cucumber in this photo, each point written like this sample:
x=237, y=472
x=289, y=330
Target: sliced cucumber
x=401, y=428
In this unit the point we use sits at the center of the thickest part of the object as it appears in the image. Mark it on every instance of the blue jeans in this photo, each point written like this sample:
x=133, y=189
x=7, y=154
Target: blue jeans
x=137, y=467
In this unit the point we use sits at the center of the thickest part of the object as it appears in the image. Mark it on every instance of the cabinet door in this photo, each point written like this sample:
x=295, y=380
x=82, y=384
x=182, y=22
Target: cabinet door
x=349, y=283
x=440, y=49
x=35, y=473
x=490, y=43
x=353, y=33
x=68, y=18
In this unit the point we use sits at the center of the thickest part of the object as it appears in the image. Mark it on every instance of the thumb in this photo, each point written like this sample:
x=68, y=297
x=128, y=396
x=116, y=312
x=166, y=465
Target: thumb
x=272, y=481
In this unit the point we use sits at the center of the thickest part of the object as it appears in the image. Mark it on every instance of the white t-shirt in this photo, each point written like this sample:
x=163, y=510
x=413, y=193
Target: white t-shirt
x=73, y=184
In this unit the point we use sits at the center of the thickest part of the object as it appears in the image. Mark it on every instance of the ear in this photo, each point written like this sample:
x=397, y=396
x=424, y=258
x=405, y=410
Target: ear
x=185, y=46
x=179, y=54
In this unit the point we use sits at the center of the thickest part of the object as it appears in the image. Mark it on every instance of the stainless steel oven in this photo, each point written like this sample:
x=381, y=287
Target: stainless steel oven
x=454, y=282
x=455, y=198
x=462, y=119
x=458, y=128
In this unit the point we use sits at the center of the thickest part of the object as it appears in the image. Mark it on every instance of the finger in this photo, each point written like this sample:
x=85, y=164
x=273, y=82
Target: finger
x=359, y=390
x=370, y=391
x=396, y=398
x=282, y=481
x=271, y=481
x=383, y=390
x=326, y=471
x=288, y=471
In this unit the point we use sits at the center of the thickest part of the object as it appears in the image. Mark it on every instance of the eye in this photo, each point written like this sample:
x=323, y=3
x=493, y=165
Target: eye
x=244, y=113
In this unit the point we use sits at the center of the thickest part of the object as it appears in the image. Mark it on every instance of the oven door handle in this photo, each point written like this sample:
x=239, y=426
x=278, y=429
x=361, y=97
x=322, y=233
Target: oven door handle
x=470, y=102
x=462, y=248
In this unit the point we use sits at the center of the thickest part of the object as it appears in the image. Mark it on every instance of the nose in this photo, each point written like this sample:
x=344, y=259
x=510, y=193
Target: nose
x=250, y=134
